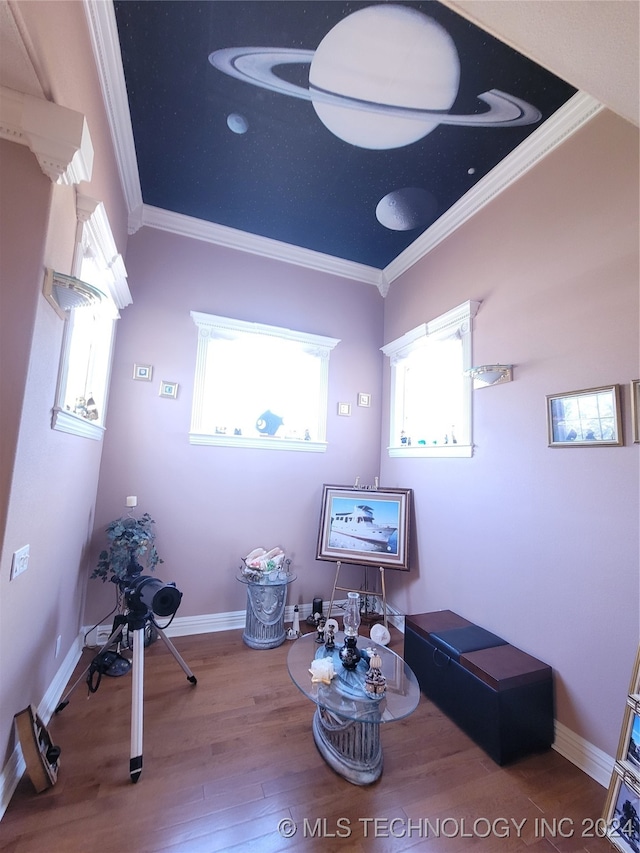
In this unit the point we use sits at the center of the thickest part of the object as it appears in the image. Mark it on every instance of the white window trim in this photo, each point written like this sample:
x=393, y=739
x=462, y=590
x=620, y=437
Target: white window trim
x=213, y=326
x=93, y=233
x=457, y=321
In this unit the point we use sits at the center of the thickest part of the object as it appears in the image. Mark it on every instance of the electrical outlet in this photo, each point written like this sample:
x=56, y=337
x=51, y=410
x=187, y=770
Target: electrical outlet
x=19, y=562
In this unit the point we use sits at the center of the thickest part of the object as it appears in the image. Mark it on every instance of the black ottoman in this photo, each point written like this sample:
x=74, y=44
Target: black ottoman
x=499, y=695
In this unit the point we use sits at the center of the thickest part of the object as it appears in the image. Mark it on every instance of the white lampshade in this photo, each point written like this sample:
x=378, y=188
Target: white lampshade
x=490, y=374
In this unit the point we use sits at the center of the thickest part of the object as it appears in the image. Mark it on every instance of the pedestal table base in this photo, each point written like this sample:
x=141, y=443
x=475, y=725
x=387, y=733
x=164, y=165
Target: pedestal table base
x=352, y=748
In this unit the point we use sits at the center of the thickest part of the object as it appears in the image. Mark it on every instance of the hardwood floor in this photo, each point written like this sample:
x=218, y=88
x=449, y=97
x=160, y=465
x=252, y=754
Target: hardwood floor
x=227, y=760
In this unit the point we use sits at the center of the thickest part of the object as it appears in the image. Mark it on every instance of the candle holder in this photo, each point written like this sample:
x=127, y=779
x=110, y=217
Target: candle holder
x=350, y=654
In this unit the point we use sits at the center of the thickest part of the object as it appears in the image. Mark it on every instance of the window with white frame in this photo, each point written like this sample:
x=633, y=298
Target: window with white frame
x=430, y=394
x=259, y=386
x=85, y=364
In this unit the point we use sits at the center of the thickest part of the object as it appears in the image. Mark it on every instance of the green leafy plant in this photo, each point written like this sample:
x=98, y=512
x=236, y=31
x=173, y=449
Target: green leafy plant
x=131, y=543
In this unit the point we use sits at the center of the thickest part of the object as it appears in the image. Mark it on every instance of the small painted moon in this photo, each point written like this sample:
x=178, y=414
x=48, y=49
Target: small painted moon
x=406, y=209
x=237, y=123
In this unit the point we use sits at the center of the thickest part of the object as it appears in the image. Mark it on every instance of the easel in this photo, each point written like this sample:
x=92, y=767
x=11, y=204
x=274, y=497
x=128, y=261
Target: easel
x=366, y=591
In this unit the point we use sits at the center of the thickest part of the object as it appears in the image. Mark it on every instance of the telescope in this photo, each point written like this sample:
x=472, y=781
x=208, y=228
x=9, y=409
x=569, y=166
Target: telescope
x=145, y=598
x=145, y=595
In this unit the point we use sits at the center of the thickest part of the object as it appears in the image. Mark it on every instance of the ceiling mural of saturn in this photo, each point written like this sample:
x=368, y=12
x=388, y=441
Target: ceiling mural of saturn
x=345, y=128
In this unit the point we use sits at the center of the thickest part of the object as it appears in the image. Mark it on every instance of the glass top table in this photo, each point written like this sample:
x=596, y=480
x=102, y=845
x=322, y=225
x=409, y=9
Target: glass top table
x=346, y=724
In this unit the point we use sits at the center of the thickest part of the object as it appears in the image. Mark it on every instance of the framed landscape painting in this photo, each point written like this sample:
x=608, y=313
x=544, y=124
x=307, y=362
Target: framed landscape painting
x=369, y=527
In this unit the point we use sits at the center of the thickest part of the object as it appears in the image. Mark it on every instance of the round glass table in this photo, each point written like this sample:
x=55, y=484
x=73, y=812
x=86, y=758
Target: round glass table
x=266, y=598
x=347, y=719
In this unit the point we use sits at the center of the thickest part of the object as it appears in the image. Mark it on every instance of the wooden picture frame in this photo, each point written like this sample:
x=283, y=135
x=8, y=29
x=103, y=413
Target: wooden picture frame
x=369, y=527
x=588, y=418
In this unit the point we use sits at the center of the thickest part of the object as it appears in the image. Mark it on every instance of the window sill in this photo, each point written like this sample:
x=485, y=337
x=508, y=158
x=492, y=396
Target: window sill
x=451, y=451
x=266, y=443
x=74, y=425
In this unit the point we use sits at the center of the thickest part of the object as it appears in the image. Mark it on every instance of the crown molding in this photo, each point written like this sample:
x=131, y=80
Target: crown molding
x=266, y=247
x=564, y=122
x=57, y=136
x=105, y=42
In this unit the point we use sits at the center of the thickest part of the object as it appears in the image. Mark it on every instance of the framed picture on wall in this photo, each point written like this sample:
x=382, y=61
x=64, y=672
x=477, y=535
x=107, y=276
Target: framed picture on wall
x=143, y=372
x=635, y=409
x=589, y=418
x=629, y=747
x=622, y=810
x=369, y=527
x=168, y=389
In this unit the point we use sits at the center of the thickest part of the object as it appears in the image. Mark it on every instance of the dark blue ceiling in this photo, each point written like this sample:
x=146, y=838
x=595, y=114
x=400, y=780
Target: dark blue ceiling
x=252, y=156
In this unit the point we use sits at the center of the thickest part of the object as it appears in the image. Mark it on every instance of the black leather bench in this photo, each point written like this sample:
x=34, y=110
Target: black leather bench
x=499, y=695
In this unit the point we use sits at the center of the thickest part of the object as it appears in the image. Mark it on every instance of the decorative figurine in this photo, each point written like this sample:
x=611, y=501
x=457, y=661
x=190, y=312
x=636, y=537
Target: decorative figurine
x=295, y=627
x=330, y=629
x=349, y=653
x=320, y=628
x=374, y=681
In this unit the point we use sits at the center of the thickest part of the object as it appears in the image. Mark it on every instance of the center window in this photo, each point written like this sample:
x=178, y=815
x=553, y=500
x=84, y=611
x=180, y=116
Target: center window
x=259, y=386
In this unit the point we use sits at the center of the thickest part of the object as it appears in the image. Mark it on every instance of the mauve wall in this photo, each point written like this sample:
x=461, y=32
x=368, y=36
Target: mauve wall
x=535, y=543
x=212, y=505
x=48, y=479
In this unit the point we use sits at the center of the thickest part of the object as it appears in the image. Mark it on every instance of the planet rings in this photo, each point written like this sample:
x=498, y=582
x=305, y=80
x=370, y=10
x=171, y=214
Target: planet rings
x=255, y=65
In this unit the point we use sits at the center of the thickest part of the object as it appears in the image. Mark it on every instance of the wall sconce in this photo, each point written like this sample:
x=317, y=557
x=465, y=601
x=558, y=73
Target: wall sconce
x=65, y=292
x=490, y=374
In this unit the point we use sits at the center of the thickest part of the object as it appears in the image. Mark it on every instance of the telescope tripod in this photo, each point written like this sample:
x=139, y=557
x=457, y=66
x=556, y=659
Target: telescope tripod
x=136, y=622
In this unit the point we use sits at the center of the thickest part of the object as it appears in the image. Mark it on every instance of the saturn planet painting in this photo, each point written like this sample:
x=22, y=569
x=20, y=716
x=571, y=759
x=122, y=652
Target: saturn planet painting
x=344, y=128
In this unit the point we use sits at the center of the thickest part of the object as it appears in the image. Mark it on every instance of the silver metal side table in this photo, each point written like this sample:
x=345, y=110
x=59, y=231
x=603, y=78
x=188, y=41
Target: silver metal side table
x=266, y=598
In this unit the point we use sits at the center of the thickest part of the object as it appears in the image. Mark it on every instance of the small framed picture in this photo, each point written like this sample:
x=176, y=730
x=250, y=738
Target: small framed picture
x=589, y=418
x=620, y=816
x=629, y=747
x=344, y=409
x=169, y=389
x=143, y=372
x=635, y=409
x=364, y=399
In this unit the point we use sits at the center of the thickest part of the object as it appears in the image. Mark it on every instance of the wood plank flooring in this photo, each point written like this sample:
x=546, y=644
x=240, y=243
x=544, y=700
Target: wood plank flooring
x=226, y=761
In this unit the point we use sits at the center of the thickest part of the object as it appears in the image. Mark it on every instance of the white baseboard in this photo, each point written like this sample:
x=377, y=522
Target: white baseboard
x=15, y=766
x=584, y=755
x=591, y=760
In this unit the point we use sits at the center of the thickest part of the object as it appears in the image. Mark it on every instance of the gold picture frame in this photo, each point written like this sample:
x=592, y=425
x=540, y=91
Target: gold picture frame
x=635, y=410
x=587, y=418
x=620, y=820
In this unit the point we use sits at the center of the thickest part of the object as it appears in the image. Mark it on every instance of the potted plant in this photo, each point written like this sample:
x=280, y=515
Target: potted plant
x=131, y=543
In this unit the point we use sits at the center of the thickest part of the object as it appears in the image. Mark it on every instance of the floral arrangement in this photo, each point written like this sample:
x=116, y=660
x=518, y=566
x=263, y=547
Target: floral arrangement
x=131, y=540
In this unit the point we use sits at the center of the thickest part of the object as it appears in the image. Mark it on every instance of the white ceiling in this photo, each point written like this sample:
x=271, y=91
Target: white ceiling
x=592, y=44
